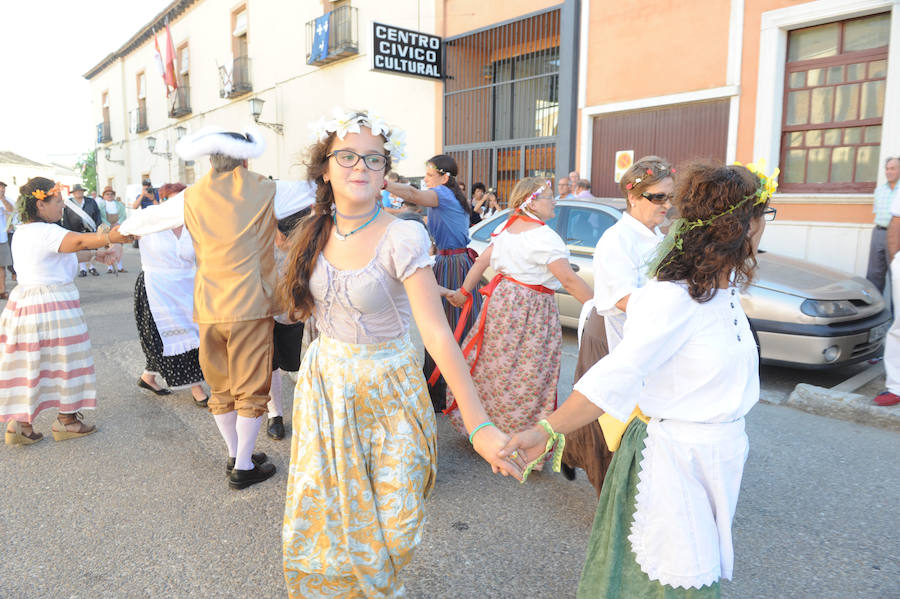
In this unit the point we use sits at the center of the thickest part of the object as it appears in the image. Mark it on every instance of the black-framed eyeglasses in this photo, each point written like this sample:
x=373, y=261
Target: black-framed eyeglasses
x=657, y=198
x=769, y=214
x=349, y=158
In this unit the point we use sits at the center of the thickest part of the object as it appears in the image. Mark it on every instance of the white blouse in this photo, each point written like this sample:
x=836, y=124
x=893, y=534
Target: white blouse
x=620, y=266
x=525, y=256
x=693, y=368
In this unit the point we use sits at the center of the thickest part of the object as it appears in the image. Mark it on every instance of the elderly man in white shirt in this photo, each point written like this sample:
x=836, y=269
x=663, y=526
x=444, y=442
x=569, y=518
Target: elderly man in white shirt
x=891, y=396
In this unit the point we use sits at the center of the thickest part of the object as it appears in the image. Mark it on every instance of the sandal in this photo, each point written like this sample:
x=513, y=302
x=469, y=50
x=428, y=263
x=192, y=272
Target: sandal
x=17, y=437
x=61, y=430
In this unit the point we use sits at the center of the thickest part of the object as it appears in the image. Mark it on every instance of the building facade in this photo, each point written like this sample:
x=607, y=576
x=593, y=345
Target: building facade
x=227, y=53
x=540, y=88
x=802, y=86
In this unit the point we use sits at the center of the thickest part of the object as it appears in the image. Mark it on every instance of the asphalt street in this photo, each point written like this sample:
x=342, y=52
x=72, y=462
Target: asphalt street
x=142, y=508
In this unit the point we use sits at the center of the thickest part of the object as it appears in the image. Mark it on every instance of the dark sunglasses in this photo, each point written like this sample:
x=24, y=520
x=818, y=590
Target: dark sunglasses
x=657, y=198
x=769, y=214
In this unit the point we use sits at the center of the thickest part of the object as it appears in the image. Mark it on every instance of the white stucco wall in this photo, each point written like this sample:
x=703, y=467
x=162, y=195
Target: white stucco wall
x=295, y=93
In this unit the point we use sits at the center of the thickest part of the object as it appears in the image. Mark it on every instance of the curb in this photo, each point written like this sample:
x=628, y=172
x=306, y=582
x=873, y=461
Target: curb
x=835, y=403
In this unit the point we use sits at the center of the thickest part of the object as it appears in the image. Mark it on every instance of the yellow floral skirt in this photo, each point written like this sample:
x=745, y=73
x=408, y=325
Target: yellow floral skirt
x=363, y=460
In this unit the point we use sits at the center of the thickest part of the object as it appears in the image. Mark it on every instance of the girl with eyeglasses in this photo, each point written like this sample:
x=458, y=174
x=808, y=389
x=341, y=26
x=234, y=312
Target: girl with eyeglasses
x=515, y=349
x=449, y=215
x=620, y=267
x=363, y=450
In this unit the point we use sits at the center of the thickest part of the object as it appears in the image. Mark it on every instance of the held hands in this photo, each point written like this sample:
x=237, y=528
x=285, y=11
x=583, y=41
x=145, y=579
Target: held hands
x=488, y=442
x=529, y=445
x=456, y=298
x=116, y=237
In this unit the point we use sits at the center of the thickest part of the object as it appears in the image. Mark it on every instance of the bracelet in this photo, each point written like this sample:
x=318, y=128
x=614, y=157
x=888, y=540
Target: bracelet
x=557, y=439
x=465, y=292
x=478, y=428
x=384, y=184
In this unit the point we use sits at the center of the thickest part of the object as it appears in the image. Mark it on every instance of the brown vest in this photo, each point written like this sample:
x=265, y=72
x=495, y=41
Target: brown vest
x=231, y=218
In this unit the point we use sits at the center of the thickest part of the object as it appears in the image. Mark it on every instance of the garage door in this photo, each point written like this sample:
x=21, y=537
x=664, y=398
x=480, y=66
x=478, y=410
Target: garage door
x=679, y=133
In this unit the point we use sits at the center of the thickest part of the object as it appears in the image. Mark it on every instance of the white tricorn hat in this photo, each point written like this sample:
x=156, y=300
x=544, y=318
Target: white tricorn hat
x=216, y=140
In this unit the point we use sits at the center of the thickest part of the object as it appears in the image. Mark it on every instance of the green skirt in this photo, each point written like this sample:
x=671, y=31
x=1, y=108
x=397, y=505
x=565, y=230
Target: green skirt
x=610, y=570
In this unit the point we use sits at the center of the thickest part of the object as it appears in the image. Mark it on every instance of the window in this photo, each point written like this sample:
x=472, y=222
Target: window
x=239, y=32
x=103, y=131
x=139, y=116
x=180, y=99
x=584, y=226
x=833, y=105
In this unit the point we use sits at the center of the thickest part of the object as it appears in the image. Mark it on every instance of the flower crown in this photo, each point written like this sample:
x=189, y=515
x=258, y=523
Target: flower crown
x=40, y=194
x=537, y=192
x=673, y=243
x=350, y=122
x=658, y=170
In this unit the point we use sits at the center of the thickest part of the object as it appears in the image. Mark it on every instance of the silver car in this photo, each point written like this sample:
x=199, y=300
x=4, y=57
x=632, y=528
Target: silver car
x=802, y=314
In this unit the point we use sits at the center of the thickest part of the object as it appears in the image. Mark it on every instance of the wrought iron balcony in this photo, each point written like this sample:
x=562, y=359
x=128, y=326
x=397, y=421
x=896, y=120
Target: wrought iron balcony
x=103, y=134
x=236, y=81
x=180, y=102
x=342, y=37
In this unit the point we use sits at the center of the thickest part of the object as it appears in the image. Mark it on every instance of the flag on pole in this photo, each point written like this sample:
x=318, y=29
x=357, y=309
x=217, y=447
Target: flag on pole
x=319, y=49
x=157, y=58
x=170, y=60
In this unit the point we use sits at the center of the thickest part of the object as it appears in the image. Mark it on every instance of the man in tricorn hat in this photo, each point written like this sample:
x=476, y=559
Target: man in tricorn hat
x=231, y=216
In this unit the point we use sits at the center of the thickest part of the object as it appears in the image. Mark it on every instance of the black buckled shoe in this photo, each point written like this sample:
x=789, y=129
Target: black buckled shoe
x=82, y=273
x=275, y=428
x=241, y=479
x=93, y=272
x=202, y=403
x=161, y=391
x=257, y=458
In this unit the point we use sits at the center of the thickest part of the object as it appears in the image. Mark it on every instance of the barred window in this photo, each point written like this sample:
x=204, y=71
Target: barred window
x=833, y=105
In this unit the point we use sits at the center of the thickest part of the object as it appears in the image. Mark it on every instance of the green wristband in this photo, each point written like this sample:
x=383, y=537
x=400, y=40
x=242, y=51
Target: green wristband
x=478, y=428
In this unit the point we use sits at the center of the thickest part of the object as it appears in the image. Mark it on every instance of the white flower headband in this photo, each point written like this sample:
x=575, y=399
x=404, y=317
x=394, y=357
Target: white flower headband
x=350, y=122
x=536, y=193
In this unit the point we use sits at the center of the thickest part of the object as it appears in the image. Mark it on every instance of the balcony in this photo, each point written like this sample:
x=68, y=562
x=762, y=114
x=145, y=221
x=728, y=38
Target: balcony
x=342, y=35
x=137, y=119
x=180, y=102
x=235, y=81
x=103, y=134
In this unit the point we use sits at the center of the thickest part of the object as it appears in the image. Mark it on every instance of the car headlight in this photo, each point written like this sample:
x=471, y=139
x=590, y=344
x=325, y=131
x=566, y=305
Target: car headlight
x=827, y=308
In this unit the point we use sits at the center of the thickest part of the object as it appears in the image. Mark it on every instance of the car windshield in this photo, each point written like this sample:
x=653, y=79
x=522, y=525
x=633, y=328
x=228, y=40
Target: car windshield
x=491, y=226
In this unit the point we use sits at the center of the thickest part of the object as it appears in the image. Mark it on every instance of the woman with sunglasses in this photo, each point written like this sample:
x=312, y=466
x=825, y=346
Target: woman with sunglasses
x=45, y=352
x=448, y=222
x=363, y=452
x=620, y=267
x=688, y=357
x=515, y=349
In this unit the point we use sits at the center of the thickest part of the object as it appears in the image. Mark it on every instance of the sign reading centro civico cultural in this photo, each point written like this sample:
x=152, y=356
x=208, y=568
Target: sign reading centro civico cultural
x=407, y=52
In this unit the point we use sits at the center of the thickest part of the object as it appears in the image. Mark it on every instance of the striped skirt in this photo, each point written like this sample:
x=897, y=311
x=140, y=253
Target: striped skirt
x=363, y=460
x=450, y=272
x=45, y=353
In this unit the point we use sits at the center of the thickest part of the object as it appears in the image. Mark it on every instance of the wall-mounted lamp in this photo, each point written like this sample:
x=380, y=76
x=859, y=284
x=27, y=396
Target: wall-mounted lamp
x=106, y=154
x=256, y=106
x=180, y=132
x=151, y=145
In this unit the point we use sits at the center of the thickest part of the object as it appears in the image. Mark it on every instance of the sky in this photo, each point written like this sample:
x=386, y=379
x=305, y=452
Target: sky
x=45, y=47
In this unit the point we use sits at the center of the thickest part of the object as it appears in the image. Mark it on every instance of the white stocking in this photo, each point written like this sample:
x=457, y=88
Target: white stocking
x=274, y=405
x=226, y=424
x=247, y=430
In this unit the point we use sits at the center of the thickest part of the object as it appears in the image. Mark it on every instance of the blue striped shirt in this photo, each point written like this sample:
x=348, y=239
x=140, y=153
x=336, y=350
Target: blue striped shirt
x=883, y=205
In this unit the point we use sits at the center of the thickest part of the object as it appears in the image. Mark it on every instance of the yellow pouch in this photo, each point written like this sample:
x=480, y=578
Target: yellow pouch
x=614, y=429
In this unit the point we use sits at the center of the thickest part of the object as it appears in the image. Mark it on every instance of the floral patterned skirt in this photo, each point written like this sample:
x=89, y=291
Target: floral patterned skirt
x=518, y=367
x=363, y=460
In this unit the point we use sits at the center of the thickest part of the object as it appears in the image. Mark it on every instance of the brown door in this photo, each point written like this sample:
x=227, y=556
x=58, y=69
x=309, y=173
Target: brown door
x=678, y=133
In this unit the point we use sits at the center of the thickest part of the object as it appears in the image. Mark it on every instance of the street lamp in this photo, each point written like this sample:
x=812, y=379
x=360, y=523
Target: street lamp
x=179, y=132
x=151, y=145
x=106, y=154
x=256, y=106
